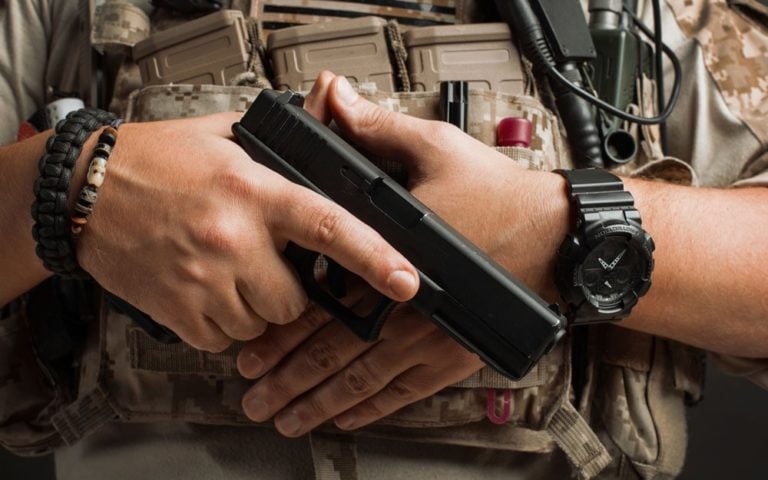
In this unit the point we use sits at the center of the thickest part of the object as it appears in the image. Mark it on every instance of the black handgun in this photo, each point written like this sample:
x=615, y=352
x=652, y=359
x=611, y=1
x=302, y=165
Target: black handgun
x=461, y=289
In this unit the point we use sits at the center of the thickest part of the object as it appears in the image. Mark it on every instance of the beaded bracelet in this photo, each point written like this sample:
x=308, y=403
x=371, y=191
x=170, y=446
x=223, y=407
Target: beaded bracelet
x=96, y=171
x=51, y=229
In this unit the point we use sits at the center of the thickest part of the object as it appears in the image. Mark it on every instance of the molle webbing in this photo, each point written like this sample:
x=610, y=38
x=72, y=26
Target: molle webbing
x=574, y=436
x=278, y=14
x=84, y=416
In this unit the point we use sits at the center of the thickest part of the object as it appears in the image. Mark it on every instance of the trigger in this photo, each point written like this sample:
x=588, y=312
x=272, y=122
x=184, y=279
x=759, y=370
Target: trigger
x=335, y=275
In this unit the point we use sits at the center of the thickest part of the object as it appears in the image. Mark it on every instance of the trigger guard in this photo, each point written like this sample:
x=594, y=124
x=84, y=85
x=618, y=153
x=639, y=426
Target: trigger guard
x=366, y=327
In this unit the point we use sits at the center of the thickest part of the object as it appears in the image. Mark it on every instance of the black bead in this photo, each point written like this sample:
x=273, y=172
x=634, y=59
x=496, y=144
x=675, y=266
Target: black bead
x=108, y=138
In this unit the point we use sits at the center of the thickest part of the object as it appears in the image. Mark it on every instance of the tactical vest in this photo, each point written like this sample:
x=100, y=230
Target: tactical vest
x=612, y=399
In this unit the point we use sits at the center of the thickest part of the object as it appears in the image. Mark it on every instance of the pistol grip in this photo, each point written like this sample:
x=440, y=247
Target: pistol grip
x=366, y=327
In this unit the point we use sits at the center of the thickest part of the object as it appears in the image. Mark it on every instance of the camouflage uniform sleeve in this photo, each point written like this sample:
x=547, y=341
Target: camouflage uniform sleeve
x=733, y=37
x=35, y=47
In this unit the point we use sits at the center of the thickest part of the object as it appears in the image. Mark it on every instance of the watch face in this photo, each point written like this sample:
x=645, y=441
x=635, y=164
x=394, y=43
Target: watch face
x=611, y=270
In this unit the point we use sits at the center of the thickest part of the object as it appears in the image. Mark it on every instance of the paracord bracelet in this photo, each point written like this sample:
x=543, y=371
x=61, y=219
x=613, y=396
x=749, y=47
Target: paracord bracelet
x=52, y=230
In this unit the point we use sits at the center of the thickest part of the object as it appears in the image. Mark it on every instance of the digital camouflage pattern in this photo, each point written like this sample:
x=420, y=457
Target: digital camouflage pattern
x=734, y=37
x=118, y=24
x=181, y=101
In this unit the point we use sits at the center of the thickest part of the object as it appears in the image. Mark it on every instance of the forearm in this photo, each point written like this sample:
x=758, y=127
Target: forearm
x=710, y=284
x=20, y=267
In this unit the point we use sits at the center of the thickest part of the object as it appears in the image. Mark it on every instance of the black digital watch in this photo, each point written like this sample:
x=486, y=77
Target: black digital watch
x=604, y=266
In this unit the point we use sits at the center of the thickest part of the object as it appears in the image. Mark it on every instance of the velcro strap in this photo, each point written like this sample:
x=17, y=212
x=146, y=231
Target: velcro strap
x=334, y=456
x=84, y=416
x=586, y=453
x=151, y=355
x=490, y=378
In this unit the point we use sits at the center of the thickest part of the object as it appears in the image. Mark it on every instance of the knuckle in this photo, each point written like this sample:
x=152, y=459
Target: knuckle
x=401, y=391
x=209, y=338
x=314, y=317
x=286, y=311
x=317, y=407
x=375, y=120
x=327, y=226
x=322, y=357
x=279, y=388
x=191, y=272
x=372, y=256
x=219, y=235
x=370, y=410
x=215, y=345
x=235, y=183
x=360, y=378
x=248, y=329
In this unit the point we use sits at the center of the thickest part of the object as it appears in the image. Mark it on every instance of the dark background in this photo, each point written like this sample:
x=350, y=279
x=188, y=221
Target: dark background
x=728, y=436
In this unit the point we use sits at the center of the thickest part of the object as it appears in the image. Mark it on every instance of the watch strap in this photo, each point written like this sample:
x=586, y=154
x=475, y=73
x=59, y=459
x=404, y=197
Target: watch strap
x=598, y=196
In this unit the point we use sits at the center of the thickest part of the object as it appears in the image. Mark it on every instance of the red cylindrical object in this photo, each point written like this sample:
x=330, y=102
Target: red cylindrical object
x=514, y=132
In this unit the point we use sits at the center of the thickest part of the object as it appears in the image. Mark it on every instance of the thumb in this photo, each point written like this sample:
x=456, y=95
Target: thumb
x=389, y=134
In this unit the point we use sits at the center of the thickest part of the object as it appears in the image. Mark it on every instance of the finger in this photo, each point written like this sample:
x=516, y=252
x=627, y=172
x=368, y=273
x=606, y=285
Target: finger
x=446, y=363
x=233, y=314
x=320, y=225
x=317, y=100
x=262, y=354
x=318, y=358
x=384, y=132
x=362, y=378
x=271, y=287
x=200, y=332
x=410, y=386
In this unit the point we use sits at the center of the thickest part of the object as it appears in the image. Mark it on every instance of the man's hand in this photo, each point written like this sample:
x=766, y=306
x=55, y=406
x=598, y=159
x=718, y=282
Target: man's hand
x=190, y=230
x=319, y=370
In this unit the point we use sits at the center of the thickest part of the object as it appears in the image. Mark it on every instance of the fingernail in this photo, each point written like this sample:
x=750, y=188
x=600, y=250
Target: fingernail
x=251, y=365
x=256, y=408
x=346, y=421
x=346, y=93
x=288, y=423
x=402, y=284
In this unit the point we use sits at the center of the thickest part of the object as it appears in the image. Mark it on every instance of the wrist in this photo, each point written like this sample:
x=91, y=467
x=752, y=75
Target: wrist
x=52, y=229
x=546, y=215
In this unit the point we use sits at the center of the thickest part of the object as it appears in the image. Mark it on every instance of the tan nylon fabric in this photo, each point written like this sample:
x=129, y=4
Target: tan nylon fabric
x=334, y=456
x=118, y=24
x=735, y=50
x=579, y=442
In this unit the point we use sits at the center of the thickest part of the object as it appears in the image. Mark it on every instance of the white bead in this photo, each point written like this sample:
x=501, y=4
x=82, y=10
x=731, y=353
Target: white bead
x=96, y=171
